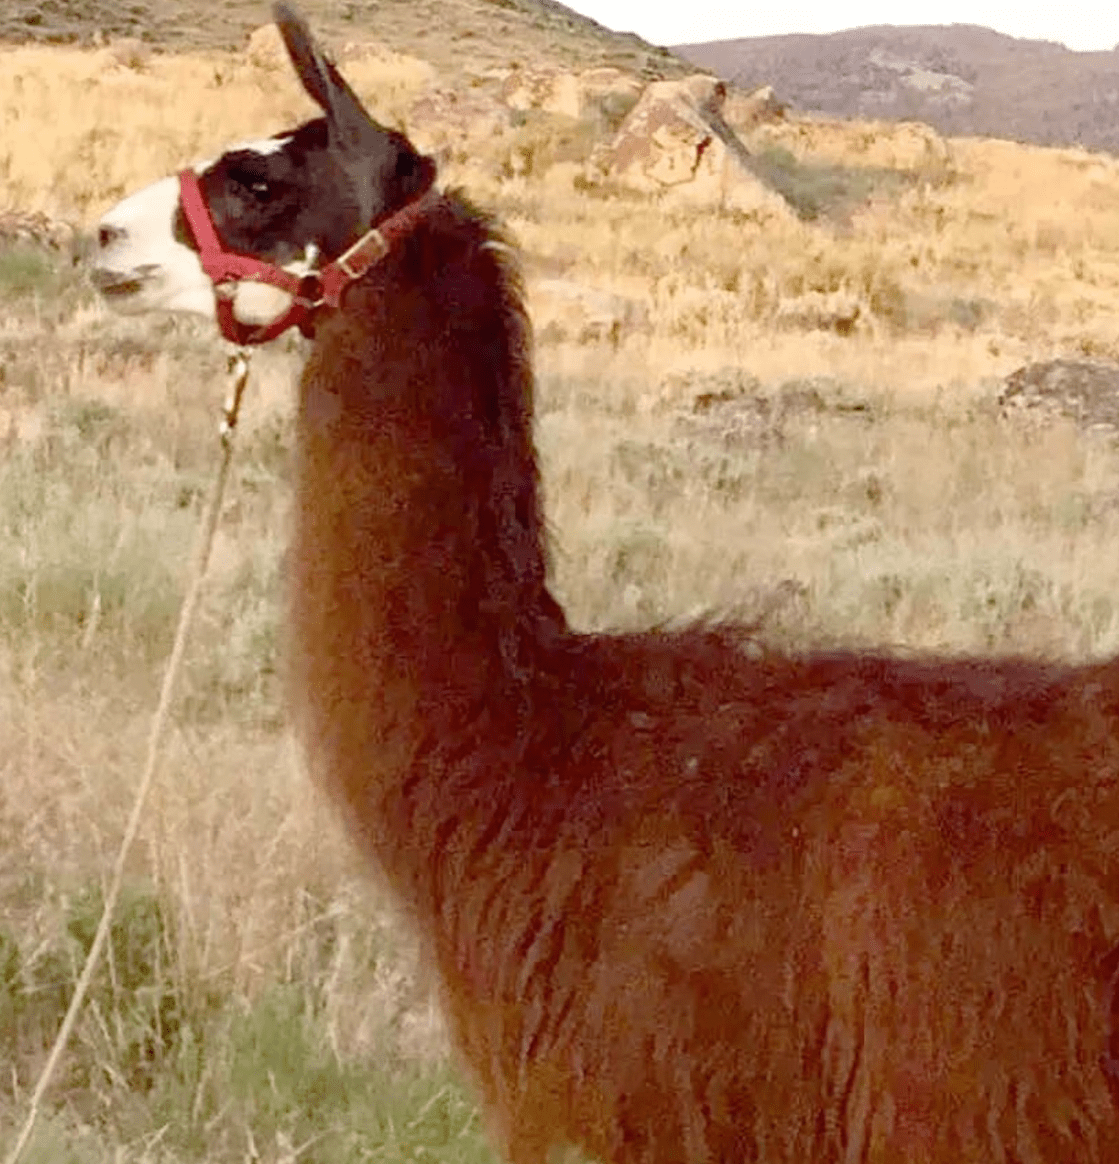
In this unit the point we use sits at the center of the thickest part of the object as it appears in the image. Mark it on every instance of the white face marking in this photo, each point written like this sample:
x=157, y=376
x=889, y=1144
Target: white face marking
x=142, y=267
x=264, y=145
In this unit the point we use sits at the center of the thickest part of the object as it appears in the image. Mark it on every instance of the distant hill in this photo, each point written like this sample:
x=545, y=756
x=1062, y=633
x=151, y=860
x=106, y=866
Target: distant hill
x=447, y=33
x=960, y=78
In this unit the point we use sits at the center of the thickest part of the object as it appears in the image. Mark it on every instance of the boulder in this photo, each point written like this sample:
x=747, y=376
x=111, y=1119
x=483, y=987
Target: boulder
x=550, y=90
x=556, y=91
x=746, y=110
x=1086, y=391
x=445, y=117
x=676, y=140
x=907, y=145
x=604, y=82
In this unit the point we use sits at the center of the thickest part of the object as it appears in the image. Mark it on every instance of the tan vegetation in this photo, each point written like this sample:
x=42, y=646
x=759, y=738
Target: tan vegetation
x=856, y=487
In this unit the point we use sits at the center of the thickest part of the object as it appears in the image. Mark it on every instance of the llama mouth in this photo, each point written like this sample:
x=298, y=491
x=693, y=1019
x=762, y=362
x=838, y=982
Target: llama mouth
x=115, y=286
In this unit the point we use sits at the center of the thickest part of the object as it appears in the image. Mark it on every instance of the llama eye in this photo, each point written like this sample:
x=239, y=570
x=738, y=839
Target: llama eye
x=258, y=188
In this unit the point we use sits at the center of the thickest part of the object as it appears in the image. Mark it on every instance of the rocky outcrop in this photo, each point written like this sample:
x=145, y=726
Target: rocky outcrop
x=669, y=137
x=606, y=83
x=441, y=117
x=677, y=141
x=1086, y=391
x=744, y=111
x=549, y=90
x=572, y=95
x=907, y=145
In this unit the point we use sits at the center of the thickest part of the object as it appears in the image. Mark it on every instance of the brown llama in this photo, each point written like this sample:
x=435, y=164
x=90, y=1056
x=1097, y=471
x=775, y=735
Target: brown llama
x=687, y=905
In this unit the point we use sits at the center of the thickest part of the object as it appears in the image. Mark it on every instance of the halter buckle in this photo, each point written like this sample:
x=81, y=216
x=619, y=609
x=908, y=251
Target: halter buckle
x=369, y=249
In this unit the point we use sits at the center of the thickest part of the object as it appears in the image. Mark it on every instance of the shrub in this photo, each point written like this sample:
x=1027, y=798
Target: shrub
x=816, y=189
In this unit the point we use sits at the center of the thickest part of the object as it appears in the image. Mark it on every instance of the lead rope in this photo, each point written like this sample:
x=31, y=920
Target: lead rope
x=238, y=377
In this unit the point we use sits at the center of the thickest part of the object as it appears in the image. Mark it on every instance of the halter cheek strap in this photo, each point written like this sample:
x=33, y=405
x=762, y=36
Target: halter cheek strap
x=310, y=292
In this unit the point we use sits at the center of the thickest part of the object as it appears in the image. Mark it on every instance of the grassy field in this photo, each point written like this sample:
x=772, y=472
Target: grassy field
x=713, y=455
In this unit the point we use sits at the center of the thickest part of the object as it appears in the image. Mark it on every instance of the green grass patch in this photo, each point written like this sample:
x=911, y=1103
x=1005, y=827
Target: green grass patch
x=540, y=139
x=134, y=1009
x=200, y=1068
x=819, y=189
x=46, y=281
x=27, y=270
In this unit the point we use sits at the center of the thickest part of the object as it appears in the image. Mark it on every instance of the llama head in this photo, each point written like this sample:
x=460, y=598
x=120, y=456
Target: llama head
x=288, y=201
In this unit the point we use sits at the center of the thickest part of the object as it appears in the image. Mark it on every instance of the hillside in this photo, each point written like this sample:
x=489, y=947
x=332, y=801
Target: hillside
x=444, y=32
x=962, y=79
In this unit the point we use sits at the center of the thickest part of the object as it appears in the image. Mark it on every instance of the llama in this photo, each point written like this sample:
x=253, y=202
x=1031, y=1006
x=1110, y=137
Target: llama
x=686, y=901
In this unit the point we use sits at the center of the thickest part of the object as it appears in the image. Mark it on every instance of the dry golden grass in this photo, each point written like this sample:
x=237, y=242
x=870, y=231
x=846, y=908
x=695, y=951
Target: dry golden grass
x=81, y=130
x=873, y=496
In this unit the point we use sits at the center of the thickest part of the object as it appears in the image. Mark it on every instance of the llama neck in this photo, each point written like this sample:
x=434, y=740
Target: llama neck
x=418, y=569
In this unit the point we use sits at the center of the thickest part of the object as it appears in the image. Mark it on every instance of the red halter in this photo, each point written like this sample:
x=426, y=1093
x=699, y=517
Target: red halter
x=308, y=292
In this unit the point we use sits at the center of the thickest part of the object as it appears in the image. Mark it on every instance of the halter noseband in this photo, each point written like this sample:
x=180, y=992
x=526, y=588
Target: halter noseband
x=308, y=292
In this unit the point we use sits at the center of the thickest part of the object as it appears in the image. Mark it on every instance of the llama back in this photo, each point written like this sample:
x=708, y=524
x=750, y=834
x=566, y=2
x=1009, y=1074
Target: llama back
x=789, y=916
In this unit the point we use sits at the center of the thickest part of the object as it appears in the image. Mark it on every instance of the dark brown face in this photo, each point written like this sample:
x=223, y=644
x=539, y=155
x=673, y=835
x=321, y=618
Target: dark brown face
x=264, y=197
x=309, y=192
x=273, y=201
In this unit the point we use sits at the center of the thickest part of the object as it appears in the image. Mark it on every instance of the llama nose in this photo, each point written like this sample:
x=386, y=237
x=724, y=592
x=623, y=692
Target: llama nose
x=108, y=235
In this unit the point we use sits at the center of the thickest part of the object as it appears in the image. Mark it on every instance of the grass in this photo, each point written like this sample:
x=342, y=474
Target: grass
x=258, y=997
x=166, y=1070
x=26, y=271
x=261, y=1001
x=814, y=189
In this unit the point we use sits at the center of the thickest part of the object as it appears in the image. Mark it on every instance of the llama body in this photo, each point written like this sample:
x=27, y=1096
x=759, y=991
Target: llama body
x=689, y=906
x=686, y=902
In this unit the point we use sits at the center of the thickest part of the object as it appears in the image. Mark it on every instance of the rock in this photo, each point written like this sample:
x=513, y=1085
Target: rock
x=600, y=84
x=452, y=116
x=908, y=145
x=1086, y=391
x=556, y=91
x=677, y=141
x=746, y=110
x=733, y=408
x=708, y=93
x=550, y=90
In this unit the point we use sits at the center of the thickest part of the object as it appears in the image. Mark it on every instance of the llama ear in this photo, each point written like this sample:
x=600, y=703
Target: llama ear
x=325, y=85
